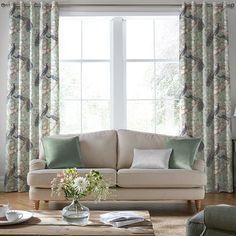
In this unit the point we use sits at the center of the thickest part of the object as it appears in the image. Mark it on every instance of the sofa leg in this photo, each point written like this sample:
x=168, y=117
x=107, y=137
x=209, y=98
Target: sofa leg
x=36, y=204
x=198, y=204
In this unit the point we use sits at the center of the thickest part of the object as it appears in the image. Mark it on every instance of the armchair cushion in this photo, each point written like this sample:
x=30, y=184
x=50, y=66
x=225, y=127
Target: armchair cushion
x=213, y=220
x=215, y=232
x=220, y=217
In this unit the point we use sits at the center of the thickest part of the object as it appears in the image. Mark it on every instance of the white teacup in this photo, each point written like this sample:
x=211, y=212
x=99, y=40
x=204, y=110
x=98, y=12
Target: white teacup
x=13, y=216
x=3, y=210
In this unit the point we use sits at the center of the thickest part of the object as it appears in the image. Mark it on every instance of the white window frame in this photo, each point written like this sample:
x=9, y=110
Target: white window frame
x=118, y=74
x=118, y=59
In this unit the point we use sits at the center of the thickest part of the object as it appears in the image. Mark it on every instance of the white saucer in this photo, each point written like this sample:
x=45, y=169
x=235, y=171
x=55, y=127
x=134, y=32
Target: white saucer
x=26, y=216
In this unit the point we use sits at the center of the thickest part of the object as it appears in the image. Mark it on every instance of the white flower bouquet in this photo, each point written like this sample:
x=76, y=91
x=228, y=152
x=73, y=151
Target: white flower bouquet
x=74, y=186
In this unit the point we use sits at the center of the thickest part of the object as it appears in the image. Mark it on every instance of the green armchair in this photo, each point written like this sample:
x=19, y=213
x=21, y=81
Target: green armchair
x=215, y=220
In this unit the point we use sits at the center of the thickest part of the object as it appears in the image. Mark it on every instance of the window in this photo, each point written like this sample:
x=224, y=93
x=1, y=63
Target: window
x=84, y=74
x=119, y=72
x=152, y=74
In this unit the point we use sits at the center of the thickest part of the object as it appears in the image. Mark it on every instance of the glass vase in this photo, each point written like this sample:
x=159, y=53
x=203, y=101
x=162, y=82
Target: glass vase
x=76, y=213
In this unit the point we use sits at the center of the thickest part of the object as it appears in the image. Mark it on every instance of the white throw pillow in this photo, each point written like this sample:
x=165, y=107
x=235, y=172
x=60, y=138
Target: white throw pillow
x=151, y=158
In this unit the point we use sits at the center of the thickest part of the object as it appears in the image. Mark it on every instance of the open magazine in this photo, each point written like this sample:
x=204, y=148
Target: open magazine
x=121, y=218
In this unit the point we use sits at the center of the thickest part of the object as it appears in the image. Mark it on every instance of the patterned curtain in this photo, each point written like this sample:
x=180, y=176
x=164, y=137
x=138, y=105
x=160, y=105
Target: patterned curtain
x=33, y=87
x=204, y=69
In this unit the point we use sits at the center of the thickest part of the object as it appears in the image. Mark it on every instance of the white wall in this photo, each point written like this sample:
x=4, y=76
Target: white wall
x=3, y=61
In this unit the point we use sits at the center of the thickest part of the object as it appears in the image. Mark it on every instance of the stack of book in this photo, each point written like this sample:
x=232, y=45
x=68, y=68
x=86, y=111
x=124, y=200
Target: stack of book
x=121, y=218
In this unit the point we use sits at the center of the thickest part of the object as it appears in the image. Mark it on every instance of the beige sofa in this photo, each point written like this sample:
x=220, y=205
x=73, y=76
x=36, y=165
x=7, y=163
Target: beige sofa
x=111, y=152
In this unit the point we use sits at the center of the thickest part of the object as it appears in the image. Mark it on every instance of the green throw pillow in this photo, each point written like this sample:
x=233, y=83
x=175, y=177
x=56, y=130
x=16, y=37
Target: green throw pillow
x=184, y=151
x=62, y=153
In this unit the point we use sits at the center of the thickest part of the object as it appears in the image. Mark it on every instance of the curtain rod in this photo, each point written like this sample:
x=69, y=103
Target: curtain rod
x=229, y=5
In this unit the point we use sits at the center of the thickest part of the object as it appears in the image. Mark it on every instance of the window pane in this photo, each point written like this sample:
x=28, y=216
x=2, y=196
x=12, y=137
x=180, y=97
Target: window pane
x=152, y=88
x=167, y=37
x=96, y=80
x=70, y=80
x=168, y=89
x=139, y=39
x=167, y=116
x=70, y=38
x=167, y=80
x=96, y=39
x=141, y=115
x=70, y=114
x=140, y=82
x=96, y=116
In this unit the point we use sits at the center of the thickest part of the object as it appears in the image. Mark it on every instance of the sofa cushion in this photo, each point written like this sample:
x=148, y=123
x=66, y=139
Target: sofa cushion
x=184, y=152
x=43, y=178
x=128, y=140
x=151, y=158
x=98, y=149
x=160, y=178
x=62, y=153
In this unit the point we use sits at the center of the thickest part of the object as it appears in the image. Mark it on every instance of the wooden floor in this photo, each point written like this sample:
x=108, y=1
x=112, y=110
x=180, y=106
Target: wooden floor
x=169, y=218
x=21, y=201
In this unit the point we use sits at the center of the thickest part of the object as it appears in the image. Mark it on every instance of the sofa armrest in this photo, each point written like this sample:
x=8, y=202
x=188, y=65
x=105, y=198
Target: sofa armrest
x=37, y=164
x=195, y=225
x=220, y=217
x=199, y=165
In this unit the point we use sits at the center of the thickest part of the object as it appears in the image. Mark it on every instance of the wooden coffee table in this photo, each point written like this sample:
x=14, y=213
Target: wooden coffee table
x=51, y=223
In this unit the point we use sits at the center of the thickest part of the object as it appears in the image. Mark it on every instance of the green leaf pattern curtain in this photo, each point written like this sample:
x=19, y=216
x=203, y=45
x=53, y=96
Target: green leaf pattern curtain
x=204, y=69
x=33, y=86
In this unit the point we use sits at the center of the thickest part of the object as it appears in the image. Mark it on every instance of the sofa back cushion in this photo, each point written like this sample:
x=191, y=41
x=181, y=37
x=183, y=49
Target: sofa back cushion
x=98, y=149
x=128, y=140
